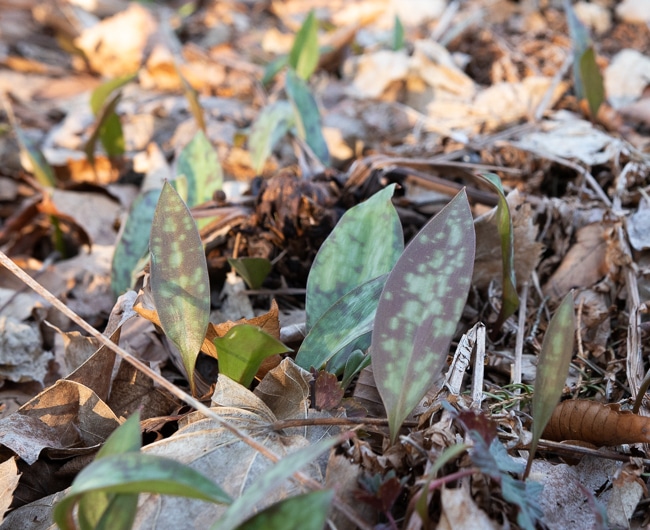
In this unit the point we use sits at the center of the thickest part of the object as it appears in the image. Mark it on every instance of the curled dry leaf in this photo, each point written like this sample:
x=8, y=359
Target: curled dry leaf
x=595, y=423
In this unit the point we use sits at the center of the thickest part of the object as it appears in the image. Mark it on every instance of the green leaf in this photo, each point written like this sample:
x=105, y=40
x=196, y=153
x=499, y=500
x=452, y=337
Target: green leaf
x=420, y=307
x=356, y=362
x=273, y=68
x=40, y=168
x=592, y=81
x=552, y=369
x=100, y=509
x=398, y=34
x=179, y=277
x=137, y=473
x=273, y=123
x=114, y=137
x=302, y=512
x=253, y=270
x=101, y=94
x=349, y=319
x=199, y=163
x=133, y=241
x=364, y=244
x=269, y=480
x=242, y=349
x=509, y=297
x=303, y=57
x=307, y=116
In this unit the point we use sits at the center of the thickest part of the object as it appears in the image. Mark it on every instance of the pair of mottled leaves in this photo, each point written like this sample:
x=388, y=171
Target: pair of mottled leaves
x=411, y=301
x=106, y=491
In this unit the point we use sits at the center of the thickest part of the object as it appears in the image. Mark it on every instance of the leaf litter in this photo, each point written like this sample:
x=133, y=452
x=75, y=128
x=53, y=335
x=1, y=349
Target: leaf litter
x=395, y=107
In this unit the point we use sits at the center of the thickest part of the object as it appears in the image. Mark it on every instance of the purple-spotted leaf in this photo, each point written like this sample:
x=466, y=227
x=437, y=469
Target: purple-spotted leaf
x=364, y=244
x=242, y=349
x=179, y=277
x=552, y=369
x=419, y=309
x=509, y=297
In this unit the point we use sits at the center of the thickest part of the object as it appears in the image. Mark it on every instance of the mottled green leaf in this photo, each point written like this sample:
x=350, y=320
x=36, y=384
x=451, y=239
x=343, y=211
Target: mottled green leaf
x=252, y=270
x=307, y=116
x=592, y=81
x=199, y=163
x=40, y=167
x=398, y=34
x=364, y=244
x=273, y=123
x=179, y=277
x=268, y=481
x=114, y=511
x=350, y=318
x=303, y=57
x=302, y=512
x=135, y=472
x=133, y=241
x=552, y=369
x=242, y=349
x=420, y=307
x=509, y=297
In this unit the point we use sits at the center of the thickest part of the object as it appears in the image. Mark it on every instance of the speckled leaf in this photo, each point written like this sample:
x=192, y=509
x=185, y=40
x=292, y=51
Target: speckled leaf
x=199, y=163
x=364, y=244
x=350, y=318
x=133, y=241
x=252, y=270
x=308, y=120
x=242, y=349
x=302, y=512
x=179, y=277
x=552, y=369
x=509, y=297
x=272, y=124
x=420, y=307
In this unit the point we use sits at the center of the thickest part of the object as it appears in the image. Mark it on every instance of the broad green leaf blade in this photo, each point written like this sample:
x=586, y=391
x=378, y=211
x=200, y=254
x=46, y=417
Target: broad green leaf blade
x=179, y=277
x=509, y=297
x=398, y=34
x=302, y=512
x=40, y=167
x=273, y=68
x=253, y=270
x=364, y=244
x=99, y=509
x=111, y=135
x=199, y=163
x=242, y=349
x=356, y=362
x=307, y=115
x=133, y=241
x=107, y=111
x=303, y=57
x=273, y=123
x=268, y=481
x=581, y=43
x=350, y=318
x=101, y=94
x=592, y=81
x=137, y=473
x=420, y=307
x=552, y=369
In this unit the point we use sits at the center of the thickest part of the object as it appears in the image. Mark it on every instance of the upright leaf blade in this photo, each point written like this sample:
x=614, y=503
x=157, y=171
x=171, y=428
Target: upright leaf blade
x=179, y=277
x=364, y=244
x=552, y=369
x=303, y=57
x=199, y=163
x=272, y=124
x=308, y=120
x=420, y=307
x=40, y=166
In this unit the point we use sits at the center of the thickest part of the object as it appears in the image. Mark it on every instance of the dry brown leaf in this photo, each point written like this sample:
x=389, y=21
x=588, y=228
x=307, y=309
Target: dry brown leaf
x=285, y=390
x=584, y=264
x=460, y=512
x=23, y=357
x=9, y=477
x=597, y=424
